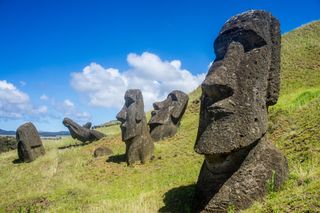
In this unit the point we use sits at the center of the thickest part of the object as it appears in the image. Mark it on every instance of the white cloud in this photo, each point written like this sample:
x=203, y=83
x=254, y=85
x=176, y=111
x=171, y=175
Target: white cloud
x=44, y=97
x=154, y=77
x=68, y=104
x=68, y=109
x=43, y=109
x=13, y=103
x=23, y=83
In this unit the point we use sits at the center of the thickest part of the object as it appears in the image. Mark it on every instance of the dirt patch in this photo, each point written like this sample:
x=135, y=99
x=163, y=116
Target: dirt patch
x=38, y=204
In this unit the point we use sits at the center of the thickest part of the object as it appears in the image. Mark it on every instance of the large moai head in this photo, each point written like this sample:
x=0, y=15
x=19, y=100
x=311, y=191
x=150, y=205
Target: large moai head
x=132, y=116
x=167, y=114
x=240, y=85
x=29, y=143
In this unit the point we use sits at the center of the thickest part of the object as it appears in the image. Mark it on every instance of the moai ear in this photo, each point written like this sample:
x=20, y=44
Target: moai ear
x=177, y=110
x=274, y=71
x=180, y=107
x=139, y=106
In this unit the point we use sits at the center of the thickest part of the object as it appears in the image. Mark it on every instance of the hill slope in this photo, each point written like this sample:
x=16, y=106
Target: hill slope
x=69, y=179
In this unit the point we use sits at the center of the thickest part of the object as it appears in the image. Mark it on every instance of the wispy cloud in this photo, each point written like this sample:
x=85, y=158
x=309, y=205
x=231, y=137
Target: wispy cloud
x=44, y=97
x=148, y=72
x=23, y=83
x=16, y=104
x=69, y=109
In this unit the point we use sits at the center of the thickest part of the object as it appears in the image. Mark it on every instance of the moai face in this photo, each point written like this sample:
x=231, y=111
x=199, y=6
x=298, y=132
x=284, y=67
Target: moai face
x=166, y=116
x=29, y=143
x=82, y=133
x=131, y=115
x=240, y=85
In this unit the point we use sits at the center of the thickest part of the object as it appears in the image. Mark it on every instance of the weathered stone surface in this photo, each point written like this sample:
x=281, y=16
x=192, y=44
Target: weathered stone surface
x=87, y=125
x=134, y=129
x=167, y=114
x=81, y=133
x=102, y=151
x=240, y=85
x=29, y=143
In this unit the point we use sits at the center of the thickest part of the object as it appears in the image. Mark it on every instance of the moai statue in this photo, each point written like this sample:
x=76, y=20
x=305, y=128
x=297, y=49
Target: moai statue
x=29, y=143
x=87, y=125
x=167, y=114
x=240, y=85
x=134, y=128
x=82, y=133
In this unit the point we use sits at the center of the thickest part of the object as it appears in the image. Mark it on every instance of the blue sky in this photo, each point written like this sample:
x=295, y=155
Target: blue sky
x=76, y=58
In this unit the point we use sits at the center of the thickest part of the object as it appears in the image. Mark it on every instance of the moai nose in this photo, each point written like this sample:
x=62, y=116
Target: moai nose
x=157, y=105
x=122, y=115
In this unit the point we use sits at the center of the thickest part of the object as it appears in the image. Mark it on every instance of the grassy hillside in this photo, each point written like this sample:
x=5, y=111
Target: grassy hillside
x=69, y=179
x=295, y=123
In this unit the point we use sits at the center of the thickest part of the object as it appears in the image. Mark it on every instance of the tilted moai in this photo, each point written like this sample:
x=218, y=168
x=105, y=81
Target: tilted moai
x=167, y=114
x=82, y=133
x=87, y=125
x=240, y=85
x=29, y=143
x=134, y=128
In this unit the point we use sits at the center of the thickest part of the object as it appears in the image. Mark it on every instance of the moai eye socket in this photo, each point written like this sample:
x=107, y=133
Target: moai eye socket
x=248, y=38
x=174, y=97
x=216, y=92
x=128, y=101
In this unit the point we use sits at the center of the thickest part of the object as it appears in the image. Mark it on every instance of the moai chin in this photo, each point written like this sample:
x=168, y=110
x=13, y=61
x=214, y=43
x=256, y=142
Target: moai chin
x=134, y=128
x=29, y=143
x=167, y=114
x=240, y=85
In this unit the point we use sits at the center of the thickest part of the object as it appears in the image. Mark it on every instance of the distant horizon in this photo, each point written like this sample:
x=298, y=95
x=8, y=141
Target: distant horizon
x=77, y=59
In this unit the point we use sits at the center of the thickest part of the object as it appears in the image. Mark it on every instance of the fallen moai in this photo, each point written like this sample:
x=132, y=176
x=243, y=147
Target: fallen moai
x=81, y=133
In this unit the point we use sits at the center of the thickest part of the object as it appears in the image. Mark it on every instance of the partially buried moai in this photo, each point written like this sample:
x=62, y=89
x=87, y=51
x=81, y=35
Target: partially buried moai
x=135, y=132
x=29, y=143
x=240, y=85
x=167, y=114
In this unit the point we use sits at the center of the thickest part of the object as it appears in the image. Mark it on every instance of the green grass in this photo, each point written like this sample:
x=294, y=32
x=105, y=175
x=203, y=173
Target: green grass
x=69, y=179
x=294, y=123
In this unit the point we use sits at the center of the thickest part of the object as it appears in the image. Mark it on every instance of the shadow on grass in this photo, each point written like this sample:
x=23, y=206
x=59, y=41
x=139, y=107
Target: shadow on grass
x=17, y=161
x=73, y=145
x=178, y=199
x=117, y=158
